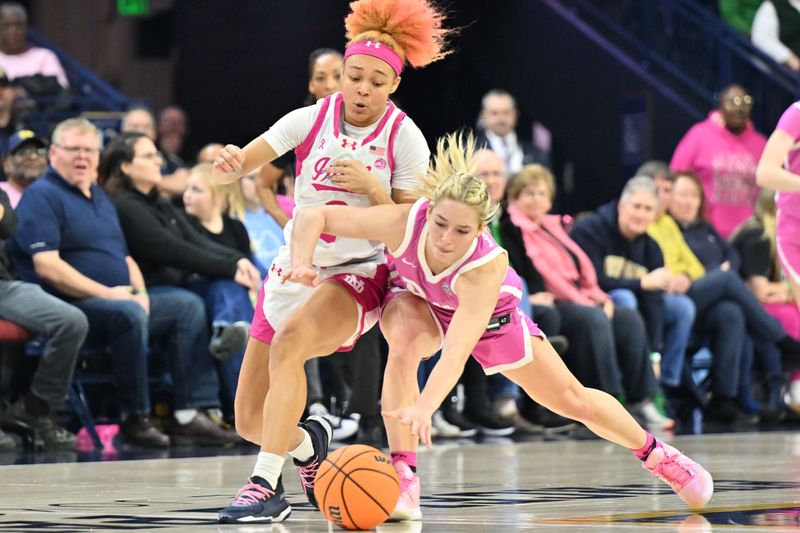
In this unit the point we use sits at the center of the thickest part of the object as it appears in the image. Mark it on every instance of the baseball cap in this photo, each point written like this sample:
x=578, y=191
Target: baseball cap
x=22, y=137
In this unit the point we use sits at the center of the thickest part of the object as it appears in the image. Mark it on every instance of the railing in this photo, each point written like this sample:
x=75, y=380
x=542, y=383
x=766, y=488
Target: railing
x=693, y=51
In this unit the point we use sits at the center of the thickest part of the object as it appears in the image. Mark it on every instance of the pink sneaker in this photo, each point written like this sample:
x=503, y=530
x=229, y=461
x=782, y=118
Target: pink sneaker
x=408, y=505
x=689, y=480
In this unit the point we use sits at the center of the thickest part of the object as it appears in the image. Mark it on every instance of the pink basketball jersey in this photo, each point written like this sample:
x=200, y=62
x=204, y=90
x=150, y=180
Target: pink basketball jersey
x=789, y=202
x=410, y=271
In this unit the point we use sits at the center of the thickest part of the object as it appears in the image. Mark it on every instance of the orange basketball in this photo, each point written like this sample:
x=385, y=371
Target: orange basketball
x=357, y=487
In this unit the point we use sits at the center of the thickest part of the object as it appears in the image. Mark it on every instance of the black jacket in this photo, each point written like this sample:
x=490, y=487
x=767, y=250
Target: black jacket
x=165, y=245
x=620, y=263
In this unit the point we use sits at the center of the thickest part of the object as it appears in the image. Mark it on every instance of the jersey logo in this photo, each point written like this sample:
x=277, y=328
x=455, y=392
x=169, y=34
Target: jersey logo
x=321, y=144
x=446, y=289
x=407, y=262
x=352, y=144
x=380, y=163
x=354, y=282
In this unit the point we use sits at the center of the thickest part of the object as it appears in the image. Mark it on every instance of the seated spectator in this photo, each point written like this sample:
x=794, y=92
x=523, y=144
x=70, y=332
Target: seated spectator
x=18, y=58
x=266, y=235
x=755, y=243
x=776, y=31
x=173, y=172
x=724, y=150
x=227, y=303
x=70, y=241
x=739, y=14
x=755, y=240
x=717, y=255
x=630, y=266
x=720, y=320
x=608, y=347
x=540, y=306
x=170, y=251
x=25, y=162
x=64, y=327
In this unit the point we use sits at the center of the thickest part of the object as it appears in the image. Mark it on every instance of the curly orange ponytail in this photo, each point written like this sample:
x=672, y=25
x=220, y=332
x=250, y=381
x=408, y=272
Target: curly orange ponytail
x=412, y=28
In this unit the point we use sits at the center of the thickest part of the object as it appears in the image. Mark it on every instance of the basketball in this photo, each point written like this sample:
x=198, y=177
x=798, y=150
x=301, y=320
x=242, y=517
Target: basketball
x=357, y=487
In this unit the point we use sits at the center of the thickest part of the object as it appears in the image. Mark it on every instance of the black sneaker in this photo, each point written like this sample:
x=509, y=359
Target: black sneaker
x=7, y=444
x=726, y=411
x=468, y=428
x=489, y=425
x=552, y=422
x=229, y=339
x=257, y=501
x=320, y=430
x=48, y=433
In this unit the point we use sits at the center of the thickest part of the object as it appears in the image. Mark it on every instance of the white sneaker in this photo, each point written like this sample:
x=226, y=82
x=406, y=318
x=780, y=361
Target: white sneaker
x=792, y=397
x=442, y=428
x=408, y=505
x=343, y=427
x=653, y=417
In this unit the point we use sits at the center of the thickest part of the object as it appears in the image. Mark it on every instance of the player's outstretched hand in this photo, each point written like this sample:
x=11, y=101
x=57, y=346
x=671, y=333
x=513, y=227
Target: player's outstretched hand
x=301, y=274
x=418, y=418
x=229, y=160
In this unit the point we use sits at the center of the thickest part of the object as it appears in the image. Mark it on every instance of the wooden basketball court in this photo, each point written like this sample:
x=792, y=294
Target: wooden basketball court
x=580, y=485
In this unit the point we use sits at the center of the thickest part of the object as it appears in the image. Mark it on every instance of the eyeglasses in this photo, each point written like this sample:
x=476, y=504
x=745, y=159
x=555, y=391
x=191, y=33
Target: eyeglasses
x=30, y=152
x=75, y=150
x=149, y=156
x=733, y=102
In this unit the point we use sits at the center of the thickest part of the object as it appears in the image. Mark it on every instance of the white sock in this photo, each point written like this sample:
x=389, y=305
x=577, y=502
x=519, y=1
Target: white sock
x=184, y=416
x=306, y=449
x=268, y=467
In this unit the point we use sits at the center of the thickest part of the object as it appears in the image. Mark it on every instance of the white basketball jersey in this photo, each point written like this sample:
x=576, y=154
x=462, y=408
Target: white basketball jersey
x=323, y=145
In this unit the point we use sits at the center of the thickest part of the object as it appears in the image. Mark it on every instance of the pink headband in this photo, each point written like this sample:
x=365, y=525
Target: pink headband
x=379, y=50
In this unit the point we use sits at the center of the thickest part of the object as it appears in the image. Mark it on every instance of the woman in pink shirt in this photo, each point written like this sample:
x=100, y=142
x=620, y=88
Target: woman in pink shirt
x=608, y=346
x=724, y=150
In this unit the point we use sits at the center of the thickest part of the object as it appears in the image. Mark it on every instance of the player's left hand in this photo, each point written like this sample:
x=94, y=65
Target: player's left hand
x=352, y=175
x=418, y=418
x=305, y=275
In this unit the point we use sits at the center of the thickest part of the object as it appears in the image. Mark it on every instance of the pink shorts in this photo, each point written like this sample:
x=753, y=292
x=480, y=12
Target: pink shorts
x=788, y=243
x=506, y=343
x=276, y=300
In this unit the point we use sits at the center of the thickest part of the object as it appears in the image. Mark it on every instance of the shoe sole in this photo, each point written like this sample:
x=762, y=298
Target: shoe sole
x=283, y=515
x=230, y=339
x=502, y=432
x=404, y=515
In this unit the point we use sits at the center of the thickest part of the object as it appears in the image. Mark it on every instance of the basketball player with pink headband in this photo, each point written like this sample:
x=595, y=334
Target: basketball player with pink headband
x=353, y=148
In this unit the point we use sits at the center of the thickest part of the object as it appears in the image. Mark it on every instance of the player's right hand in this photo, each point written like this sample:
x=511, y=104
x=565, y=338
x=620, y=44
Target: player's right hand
x=301, y=274
x=229, y=160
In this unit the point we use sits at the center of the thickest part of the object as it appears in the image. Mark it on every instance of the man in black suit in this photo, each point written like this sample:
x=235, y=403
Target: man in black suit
x=498, y=122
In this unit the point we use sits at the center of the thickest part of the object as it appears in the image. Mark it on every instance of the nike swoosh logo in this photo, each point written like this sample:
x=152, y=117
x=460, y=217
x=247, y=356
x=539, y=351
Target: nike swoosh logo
x=409, y=263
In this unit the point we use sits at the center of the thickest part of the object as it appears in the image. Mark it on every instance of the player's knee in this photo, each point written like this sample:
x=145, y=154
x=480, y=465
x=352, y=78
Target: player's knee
x=288, y=345
x=248, y=423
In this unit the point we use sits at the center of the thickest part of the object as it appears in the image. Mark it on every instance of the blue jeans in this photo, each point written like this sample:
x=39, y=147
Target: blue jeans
x=679, y=314
x=176, y=325
x=64, y=327
x=226, y=302
x=624, y=298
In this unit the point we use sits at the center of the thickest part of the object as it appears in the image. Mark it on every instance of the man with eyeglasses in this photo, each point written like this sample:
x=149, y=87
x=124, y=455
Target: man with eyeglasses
x=25, y=162
x=70, y=242
x=723, y=151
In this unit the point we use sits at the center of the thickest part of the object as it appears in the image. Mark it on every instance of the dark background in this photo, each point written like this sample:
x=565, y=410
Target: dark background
x=242, y=65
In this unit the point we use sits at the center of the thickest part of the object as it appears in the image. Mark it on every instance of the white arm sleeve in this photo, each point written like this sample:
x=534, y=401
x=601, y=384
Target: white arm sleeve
x=291, y=129
x=411, y=155
x=766, y=31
